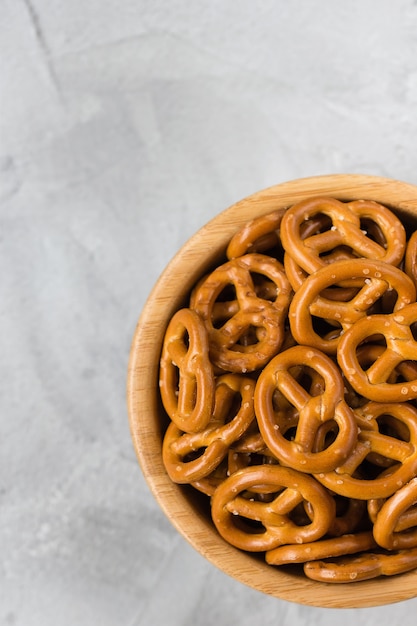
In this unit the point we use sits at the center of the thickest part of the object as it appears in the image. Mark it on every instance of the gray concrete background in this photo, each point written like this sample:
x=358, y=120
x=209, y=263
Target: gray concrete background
x=125, y=125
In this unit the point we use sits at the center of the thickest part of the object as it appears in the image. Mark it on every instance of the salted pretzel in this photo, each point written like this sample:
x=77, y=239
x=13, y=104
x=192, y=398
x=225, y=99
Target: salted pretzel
x=263, y=318
x=186, y=378
x=290, y=380
x=402, y=454
x=313, y=411
x=346, y=230
x=257, y=235
x=395, y=525
x=321, y=549
x=373, y=382
x=308, y=304
x=363, y=566
x=233, y=413
x=254, y=525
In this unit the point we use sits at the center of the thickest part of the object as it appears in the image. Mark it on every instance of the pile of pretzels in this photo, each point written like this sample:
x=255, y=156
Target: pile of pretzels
x=290, y=383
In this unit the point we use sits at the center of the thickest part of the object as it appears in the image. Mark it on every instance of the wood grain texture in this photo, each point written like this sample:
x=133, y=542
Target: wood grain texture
x=146, y=417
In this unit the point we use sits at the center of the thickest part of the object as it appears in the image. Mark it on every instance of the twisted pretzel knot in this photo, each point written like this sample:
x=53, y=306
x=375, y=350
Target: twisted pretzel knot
x=401, y=454
x=262, y=319
x=216, y=438
x=396, y=330
x=313, y=411
x=234, y=515
x=345, y=231
x=186, y=377
x=374, y=280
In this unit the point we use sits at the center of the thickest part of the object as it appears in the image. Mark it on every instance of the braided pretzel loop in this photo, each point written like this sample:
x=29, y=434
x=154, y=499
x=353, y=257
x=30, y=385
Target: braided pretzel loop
x=345, y=231
x=373, y=382
x=401, y=454
x=253, y=525
x=186, y=375
x=363, y=566
x=321, y=549
x=312, y=410
x=308, y=304
x=257, y=235
x=229, y=422
x=395, y=526
x=260, y=319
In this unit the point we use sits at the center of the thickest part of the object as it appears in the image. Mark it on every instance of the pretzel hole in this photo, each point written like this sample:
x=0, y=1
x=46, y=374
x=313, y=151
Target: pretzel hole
x=326, y=329
x=269, y=244
x=390, y=426
x=373, y=231
x=265, y=288
x=315, y=225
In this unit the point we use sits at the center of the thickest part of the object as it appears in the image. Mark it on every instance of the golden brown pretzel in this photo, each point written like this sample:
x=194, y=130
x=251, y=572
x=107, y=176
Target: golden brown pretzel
x=321, y=549
x=301, y=453
x=363, y=566
x=257, y=235
x=186, y=378
x=395, y=526
x=235, y=515
x=232, y=415
x=375, y=279
x=346, y=230
x=265, y=318
x=373, y=382
x=402, y=454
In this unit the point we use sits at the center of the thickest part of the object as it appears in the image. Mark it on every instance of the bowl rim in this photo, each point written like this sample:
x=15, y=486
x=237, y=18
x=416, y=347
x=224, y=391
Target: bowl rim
x=143, y=404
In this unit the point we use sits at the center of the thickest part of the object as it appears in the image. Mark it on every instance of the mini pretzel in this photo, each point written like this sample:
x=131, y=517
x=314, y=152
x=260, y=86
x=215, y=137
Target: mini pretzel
x=226, y=426
x=364, y=566
x=257, y=235
x=345, y=480
x=257, y=526
x=229, y=348
x=308, y=303
x=346, y=230
x=313, y=411
x=373, y=382
x=186, y=374
x=321, y=549
x=393, y=528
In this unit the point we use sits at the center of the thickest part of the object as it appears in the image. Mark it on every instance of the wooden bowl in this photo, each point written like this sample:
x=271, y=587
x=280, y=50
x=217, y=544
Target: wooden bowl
x=184, y=506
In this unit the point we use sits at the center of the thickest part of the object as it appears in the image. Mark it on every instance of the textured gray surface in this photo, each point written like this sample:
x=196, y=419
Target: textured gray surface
x=125, y=125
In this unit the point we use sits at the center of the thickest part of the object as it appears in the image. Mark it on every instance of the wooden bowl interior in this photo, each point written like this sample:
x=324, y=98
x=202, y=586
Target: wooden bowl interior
x=186, y=508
